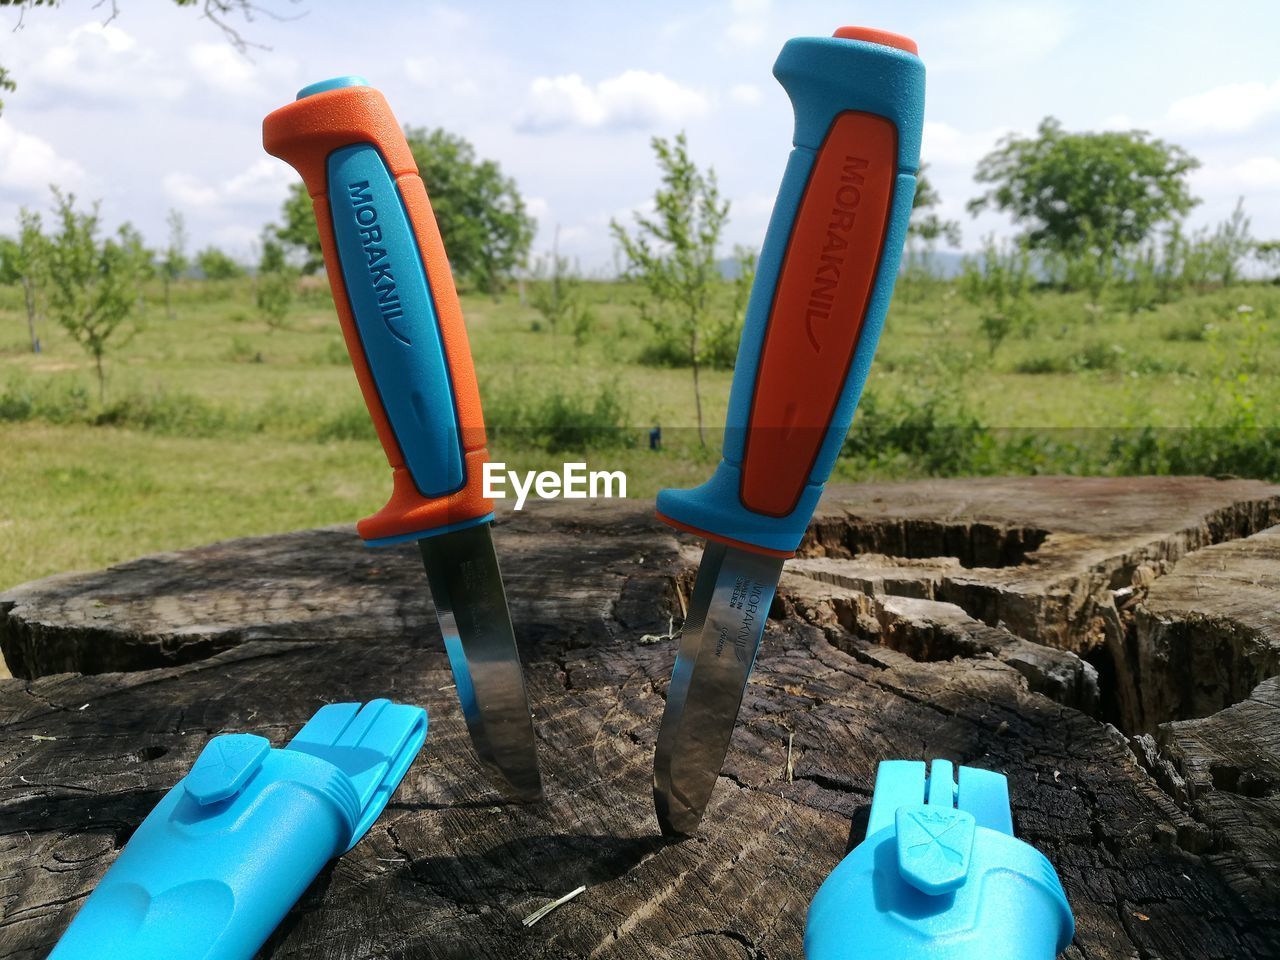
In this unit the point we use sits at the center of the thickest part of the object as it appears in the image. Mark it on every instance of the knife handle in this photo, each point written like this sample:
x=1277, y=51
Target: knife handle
x=822, y=288
x=396, y=301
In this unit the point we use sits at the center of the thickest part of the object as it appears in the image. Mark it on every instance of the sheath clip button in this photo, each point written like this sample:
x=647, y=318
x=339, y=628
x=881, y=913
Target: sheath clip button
x=225, y=766
x=935, y=845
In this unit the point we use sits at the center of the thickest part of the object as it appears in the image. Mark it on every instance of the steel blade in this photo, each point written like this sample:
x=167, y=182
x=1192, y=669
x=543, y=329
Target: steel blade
x=718, y=645
x=471, y=606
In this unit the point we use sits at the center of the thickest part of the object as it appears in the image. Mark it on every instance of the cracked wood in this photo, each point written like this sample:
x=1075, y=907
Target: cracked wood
x=991, y=622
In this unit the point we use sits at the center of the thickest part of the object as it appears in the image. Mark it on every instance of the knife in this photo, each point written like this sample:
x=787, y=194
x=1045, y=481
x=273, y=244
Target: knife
x=403, y=327
x=822, y=287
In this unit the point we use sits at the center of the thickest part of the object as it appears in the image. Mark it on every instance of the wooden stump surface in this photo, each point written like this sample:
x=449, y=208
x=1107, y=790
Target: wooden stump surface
x=1113, y=645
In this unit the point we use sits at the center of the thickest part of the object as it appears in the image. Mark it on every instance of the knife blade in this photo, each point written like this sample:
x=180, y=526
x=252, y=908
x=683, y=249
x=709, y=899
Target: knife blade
x=402, y=323
x=822, y=288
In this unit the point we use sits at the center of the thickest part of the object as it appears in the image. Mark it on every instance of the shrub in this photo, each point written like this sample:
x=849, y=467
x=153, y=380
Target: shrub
x=274, y=296
x=560, y=420
x=1098, y=356
x=243, y=351
x=1192, y=331
x=1043, y=363
x=333, y=353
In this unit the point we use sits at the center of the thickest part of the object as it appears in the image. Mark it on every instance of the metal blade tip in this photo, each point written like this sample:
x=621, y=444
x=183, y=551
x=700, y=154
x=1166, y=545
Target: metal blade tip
x=718, y=644
x=471, y=607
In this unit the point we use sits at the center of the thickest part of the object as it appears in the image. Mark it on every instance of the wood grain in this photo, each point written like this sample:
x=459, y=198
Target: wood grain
x=1000, y=623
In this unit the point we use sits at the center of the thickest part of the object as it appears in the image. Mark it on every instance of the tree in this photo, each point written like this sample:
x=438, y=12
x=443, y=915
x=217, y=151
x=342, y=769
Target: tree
x=481, y=214
x=174, y=262
x=94, y=283
x=23, y=261
x=999, y=285
x=725, y=332
x=1268, y=254
x=216, y=265
x=275, y=282
x=1230, y=245
x=480, y=211
x=1086, y=194
x=298, y=233
x=556, y=293
x=6, y=84
x=924, y=231
x=673, y=253
x=926, y=226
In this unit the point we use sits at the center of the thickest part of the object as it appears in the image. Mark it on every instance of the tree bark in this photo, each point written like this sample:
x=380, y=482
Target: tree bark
x=1110, y=644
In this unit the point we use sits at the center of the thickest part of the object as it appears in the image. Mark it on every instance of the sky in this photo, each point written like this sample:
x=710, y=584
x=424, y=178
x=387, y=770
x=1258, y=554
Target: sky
x=156, y=110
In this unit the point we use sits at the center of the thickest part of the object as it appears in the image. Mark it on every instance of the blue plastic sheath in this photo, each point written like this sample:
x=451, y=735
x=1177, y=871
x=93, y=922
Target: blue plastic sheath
x=942, y=784
x=218, y=863
x=395, y=315
x=899, y=783
x=985, y=795
x=940, y=876
x=824, y=77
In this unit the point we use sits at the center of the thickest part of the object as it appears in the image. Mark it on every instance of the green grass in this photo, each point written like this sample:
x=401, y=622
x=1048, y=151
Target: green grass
x=217, y=426
x=78, y=497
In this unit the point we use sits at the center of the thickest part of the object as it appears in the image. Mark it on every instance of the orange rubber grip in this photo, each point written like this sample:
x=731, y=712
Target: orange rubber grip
x=819, y=306
x=304, y=134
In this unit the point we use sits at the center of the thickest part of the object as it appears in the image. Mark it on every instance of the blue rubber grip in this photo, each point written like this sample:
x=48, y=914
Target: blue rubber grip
x=396, y=317
x=825, y=78
x=940, y=876
x=215, y=867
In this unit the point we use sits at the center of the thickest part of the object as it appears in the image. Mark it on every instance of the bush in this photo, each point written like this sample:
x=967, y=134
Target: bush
x=350, y=423
x=1043, y=363
x=274, y=296
x=1191, y=331
x=333, y=353
x=930, y=433
x=216, y=265
x=559, y=420
x=1098, y=356
x=242, y=350
x=998, y=283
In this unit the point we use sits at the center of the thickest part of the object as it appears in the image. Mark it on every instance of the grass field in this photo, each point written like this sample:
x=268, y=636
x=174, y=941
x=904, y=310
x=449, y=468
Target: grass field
x=216, y=425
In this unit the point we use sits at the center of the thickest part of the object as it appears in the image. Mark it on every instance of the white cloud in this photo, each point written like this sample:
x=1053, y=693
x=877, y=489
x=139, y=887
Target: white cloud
x=756, y=203
x=1118, y=121
x=745, y=93
x=30, y=164
x=238, y=240
x=997, y=33
x=222, y=68
x=188, y=191
x=537, y=207
x=946, y=146
x=453, y=77
x=266, y=181
x=1253, y=173
x=262, y=184
x=1258, y=172
x=428, y=70
x=1231, y=108
x=748, y=25
x=633, y=99
x=573, y=234
x=102, y=62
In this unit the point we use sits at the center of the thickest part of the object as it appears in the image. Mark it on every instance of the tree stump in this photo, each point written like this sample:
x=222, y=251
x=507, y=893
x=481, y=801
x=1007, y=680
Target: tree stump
x=1112, y=645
